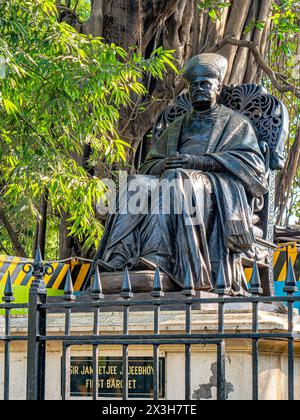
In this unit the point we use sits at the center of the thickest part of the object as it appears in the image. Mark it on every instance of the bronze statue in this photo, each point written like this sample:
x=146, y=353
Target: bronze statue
x=214, y=151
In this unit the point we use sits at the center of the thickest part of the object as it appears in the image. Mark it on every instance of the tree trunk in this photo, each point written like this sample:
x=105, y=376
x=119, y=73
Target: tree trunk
x=42, y=224
x=20, y=252
x=65, y=244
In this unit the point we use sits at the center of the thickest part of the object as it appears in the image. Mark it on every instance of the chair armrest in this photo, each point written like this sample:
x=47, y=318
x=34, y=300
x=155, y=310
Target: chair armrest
x=265, y=243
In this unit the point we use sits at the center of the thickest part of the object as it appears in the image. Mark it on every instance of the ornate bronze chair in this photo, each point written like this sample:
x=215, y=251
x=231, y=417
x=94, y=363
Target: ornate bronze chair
x=270, y=120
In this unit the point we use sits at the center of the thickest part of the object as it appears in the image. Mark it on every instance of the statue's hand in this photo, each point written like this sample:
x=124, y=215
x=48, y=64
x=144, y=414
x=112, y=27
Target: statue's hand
x=178, y=161
x=205, y=164
x=186, y=162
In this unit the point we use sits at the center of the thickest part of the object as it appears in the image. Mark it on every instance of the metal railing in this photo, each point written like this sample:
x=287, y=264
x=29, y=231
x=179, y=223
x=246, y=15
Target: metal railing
x=39, y=308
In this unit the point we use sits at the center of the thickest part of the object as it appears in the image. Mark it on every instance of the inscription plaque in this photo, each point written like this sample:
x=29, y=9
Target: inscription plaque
x=110, y=381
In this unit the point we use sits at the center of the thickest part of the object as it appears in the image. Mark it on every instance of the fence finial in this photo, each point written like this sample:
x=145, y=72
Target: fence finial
x=97, y=286
x=69, y=290
x=8, y=291
x=255, y=282
x=290, y=282
x=38, y=270
x=126, y=286
x=221, y=281
x=189, y=286
x=157, y=286
x=38, y=256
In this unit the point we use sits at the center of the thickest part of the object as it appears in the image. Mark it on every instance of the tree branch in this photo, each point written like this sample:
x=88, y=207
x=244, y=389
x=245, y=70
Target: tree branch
x=156, y=24
x=75, y=6
x=12, y=234
x=276, y=79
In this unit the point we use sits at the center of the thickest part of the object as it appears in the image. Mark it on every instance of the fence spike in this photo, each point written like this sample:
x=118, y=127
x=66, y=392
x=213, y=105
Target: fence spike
x=157, y=286
x=290, y=282
x=221, y=281
x=189, y=286
x=38, y=256
x=37, y=269
x=69, y=289
x=8, y=291
x=97, y=286
x=255, y=282
x=38, y=266
x=126, y=286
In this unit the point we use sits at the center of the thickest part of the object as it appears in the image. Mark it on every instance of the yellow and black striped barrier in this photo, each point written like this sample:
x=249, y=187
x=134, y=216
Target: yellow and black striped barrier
x=280, y=262
x=55, y=281
x=281, y=258
x=80, y=269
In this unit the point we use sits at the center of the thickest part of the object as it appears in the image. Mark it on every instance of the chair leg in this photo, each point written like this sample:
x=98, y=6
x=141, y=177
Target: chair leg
x=267, y=281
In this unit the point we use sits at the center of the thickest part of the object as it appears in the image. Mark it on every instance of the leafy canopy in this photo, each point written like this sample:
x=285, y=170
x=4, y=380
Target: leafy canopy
x=59, y=92
x=82, y=8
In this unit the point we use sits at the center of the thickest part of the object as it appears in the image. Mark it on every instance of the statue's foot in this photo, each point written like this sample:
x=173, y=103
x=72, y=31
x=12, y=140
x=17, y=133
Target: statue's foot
x=144, y=265
x=141, y=265
x=105, y=267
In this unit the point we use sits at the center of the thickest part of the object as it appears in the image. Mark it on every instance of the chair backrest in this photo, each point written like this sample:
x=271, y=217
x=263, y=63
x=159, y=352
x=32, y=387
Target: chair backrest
x=268, y=115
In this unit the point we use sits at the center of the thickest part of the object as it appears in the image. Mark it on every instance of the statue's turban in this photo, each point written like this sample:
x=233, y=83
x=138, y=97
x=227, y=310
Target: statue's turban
x=206, y=65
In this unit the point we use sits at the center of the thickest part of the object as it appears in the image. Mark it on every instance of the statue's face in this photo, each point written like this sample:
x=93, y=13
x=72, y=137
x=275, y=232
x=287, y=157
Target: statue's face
x=204, y=92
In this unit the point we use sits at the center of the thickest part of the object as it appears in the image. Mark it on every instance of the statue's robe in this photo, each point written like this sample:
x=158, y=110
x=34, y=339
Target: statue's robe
x=223, y=228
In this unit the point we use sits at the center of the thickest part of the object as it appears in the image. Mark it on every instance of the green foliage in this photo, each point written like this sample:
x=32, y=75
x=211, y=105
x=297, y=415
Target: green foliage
x=285, y=16
x=214, y=8
x=59, y=92
x=82, y=8
x=255, y=24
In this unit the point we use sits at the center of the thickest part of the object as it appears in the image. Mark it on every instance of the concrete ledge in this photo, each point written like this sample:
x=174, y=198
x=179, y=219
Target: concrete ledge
x=171, y=321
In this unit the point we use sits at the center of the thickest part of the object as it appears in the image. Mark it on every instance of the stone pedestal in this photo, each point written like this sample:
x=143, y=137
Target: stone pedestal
x=273, y=379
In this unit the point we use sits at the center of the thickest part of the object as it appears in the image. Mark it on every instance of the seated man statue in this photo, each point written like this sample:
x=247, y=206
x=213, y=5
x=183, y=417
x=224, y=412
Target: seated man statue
x=212, y=159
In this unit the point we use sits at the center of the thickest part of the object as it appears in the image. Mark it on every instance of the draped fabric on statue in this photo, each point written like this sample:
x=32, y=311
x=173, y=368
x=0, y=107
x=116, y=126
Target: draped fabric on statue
x=222, y=228
x=233, y=143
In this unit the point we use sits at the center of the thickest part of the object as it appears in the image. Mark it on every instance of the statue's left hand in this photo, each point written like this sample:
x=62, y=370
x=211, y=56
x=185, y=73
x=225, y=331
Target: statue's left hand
x=178, y=161
x=199, y=163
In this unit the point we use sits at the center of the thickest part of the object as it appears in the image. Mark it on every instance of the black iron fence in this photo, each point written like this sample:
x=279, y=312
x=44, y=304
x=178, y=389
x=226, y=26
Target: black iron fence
x=39, y=307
